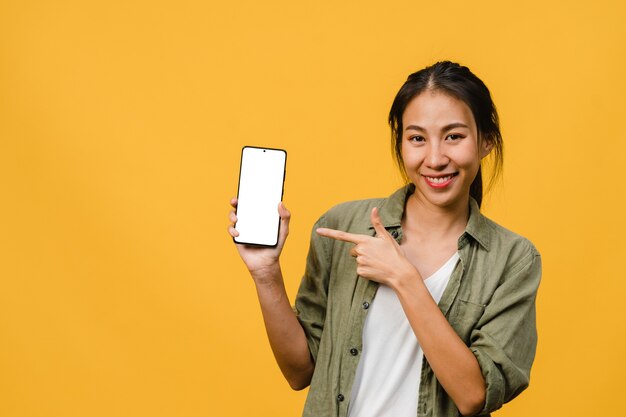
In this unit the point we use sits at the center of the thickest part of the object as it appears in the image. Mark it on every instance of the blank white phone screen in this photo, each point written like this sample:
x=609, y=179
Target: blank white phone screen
x=260, y=191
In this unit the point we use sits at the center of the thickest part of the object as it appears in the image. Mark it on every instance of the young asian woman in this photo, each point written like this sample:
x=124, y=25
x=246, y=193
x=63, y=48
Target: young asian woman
x=415, y=304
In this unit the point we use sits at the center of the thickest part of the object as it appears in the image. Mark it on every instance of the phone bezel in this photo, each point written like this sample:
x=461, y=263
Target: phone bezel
x=282, y=193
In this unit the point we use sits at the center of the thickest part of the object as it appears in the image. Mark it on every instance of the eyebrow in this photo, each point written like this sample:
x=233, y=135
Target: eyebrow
x=443, y=129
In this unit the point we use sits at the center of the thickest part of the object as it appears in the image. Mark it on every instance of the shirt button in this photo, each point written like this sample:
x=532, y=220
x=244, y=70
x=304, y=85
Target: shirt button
x=395, y=234
x=340, y=398
x=366, y=305
x=354, y=352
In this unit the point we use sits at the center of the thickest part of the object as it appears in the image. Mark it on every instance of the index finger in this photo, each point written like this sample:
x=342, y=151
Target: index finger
x=340, y=235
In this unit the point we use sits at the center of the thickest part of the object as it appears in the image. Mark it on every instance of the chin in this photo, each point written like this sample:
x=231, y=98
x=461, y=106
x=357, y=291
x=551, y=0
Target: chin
x=442, y=200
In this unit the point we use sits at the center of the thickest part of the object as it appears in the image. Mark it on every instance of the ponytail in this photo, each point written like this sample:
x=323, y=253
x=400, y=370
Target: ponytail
x=476, y=189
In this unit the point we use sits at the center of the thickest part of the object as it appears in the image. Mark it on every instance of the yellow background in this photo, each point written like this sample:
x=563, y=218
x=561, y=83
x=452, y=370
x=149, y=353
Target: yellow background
x=121, y=124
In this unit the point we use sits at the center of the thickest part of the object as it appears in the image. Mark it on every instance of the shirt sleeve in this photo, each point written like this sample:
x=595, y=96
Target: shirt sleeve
x=505, y=338
x=311, y=300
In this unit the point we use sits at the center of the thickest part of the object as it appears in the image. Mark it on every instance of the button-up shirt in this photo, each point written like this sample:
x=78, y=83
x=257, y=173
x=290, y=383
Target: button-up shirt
x=489, y=302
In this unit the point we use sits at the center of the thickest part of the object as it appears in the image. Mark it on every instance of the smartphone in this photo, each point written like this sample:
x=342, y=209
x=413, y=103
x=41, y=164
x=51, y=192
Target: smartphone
x=260, y=190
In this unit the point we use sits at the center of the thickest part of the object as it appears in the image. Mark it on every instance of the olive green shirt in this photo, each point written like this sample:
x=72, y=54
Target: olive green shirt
x=489, y=302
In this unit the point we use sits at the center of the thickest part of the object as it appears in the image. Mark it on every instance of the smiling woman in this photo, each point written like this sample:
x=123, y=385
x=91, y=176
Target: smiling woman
x=415, y=304
x=459, y=83
x=441, y=149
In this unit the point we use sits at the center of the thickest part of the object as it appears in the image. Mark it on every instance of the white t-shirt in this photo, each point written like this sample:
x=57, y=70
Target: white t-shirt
x=387, y=379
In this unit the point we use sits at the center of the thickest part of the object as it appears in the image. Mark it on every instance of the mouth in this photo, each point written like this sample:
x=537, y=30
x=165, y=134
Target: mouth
x=440, y=181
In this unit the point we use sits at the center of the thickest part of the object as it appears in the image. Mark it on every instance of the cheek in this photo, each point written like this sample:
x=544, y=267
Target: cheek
x=467, y=156
x=410, y=158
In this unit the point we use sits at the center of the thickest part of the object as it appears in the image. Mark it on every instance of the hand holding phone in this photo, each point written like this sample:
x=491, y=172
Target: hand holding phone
x=260, y=190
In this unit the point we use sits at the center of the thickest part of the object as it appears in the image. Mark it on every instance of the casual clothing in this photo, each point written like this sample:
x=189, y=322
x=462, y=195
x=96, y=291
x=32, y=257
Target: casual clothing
x=489, y=302
x=388, y=376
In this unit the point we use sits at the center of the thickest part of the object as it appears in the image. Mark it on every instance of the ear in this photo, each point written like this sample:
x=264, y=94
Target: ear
x=486, y=145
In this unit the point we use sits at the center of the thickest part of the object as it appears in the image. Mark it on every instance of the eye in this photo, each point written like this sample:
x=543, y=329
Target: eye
x=454, y=136
x=417, y=139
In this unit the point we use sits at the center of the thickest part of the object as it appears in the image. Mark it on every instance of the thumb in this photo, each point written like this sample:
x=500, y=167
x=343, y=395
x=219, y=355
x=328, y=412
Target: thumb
x=378, y=225
x=285, y=216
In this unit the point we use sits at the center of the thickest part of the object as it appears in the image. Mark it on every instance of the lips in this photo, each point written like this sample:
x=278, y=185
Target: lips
x=439, y=181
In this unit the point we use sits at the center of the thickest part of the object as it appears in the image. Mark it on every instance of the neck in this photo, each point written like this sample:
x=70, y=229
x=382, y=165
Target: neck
x=424, y=217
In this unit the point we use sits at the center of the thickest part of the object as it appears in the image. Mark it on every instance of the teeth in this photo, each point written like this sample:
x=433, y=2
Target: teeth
x=439, y=180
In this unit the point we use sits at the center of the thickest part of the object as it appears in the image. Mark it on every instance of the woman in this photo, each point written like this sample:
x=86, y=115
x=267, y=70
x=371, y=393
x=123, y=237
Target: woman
x=415, y=304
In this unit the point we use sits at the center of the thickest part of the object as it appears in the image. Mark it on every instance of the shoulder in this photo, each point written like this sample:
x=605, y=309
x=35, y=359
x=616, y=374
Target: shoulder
x=515, y=252
x=502, y=237
x=501, y=265
x=497, y=240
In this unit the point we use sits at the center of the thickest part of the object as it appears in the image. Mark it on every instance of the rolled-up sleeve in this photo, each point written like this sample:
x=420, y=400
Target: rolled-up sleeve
x=505, y=338
x=311, y=300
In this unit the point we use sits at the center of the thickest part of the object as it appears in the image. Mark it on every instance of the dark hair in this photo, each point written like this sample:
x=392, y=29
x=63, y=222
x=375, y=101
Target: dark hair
x=461, y=83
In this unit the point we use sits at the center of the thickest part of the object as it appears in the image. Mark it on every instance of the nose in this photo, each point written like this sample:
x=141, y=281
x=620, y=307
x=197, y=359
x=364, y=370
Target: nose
x=436, y=158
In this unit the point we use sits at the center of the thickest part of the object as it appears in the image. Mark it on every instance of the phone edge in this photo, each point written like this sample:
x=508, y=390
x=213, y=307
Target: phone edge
x=282, y=193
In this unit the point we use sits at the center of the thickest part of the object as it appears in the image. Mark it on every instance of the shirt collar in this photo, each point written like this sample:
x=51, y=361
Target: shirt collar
x=392, y=209
x=477, y=226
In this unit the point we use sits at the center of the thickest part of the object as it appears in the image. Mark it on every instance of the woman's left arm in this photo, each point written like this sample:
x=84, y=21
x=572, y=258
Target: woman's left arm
x=453, y=363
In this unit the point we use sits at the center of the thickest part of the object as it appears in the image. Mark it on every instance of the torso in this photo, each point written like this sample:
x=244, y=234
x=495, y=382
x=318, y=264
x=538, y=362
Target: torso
x=333, y=302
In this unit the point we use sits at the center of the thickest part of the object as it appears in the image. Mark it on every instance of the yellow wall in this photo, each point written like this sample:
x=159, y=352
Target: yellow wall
x=121, y=124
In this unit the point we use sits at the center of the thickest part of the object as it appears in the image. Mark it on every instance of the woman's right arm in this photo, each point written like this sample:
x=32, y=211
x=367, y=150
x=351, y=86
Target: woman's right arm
x=286, y=336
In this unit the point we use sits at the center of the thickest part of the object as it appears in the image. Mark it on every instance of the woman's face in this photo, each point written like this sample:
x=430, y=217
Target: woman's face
x=441, y=149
